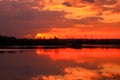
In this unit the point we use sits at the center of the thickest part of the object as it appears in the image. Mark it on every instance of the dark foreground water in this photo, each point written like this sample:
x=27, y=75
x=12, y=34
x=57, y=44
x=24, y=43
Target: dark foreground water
x=60, y=64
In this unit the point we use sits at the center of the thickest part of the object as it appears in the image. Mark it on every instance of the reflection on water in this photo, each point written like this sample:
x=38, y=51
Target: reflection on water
x=60, y=64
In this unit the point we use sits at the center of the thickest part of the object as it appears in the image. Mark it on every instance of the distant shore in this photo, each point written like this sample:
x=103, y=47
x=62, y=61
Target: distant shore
x=13, y=42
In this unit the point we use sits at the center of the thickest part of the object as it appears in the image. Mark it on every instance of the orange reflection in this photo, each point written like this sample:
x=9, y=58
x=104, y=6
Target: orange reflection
x=111, y=68
x=73, y=74
x=107, y=60
x=38, y=51
x=77, y=73
x=79, y=54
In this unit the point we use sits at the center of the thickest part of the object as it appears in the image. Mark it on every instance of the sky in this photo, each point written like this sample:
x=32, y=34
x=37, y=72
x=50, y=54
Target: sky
x=60, y=18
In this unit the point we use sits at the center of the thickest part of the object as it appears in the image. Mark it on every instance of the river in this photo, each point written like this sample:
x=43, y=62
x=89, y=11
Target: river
x=60, y=64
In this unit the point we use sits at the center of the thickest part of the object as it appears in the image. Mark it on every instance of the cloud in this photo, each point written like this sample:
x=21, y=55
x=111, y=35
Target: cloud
x=22, y=17
x=30, y=21
x=67, y=4
x=90, y=1
x=88, y=20
x=106, y=2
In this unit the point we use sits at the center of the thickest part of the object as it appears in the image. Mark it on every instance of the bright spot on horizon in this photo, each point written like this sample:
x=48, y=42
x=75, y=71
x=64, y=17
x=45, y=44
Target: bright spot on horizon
x=43, y=36
x=38, y=36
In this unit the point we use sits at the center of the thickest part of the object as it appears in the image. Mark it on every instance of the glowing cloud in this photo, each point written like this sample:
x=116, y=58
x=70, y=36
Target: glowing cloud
x=42, y=16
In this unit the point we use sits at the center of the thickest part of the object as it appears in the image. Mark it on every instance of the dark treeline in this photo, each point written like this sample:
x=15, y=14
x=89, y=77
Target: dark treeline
x=5, y=40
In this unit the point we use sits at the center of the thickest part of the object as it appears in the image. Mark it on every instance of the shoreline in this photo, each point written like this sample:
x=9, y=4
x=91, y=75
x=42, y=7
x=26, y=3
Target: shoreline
x=58, y=46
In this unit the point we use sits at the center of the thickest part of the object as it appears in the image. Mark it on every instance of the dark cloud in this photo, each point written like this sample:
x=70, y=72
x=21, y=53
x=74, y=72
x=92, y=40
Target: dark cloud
x=90, y=1
x=87, y=20
x=102, y=5
x=67, y=4
x=30, y=21
x=18, y=18
x=115, y=9
x=106, y=2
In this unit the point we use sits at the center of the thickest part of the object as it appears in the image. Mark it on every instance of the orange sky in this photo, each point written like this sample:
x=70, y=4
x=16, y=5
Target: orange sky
x=61, y=18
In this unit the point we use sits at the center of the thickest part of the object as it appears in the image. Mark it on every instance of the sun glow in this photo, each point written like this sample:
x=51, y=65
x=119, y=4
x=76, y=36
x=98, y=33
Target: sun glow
x=38, y=36
x=44, y=36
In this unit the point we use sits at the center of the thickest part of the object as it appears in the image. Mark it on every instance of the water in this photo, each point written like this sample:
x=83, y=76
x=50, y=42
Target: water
x=60, y=64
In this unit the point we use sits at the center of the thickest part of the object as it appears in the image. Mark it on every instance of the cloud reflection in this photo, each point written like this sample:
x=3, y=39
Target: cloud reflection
x=85, y=64
x=79, y=54
x=77, y=73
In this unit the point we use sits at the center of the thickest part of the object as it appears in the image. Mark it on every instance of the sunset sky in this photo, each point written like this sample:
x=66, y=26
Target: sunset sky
x=61, y=18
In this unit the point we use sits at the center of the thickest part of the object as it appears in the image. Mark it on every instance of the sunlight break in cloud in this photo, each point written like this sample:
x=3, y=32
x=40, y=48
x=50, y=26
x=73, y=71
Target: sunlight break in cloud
x=21, y=17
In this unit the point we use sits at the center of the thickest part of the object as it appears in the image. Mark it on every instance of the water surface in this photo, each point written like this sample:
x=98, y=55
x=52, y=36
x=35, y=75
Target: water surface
x=60, y=64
